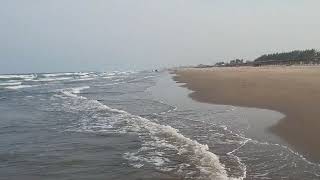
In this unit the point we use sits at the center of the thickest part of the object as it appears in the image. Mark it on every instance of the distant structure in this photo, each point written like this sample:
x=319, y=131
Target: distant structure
x=204, y=66
x=234, y=63
x=220, y=64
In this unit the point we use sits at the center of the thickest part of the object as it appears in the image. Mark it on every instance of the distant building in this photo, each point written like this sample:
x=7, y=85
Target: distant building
x=203, y=66
x=219, y=64
x=236, y=62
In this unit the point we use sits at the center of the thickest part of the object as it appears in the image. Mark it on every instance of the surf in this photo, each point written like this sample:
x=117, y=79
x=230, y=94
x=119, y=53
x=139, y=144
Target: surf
x=157, y=140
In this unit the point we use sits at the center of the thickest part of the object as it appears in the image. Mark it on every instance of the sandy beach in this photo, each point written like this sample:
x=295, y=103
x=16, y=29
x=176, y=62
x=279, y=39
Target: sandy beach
x=291, y=90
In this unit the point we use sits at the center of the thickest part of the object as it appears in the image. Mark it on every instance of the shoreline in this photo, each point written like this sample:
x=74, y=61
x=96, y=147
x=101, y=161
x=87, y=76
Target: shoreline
x=293, y=91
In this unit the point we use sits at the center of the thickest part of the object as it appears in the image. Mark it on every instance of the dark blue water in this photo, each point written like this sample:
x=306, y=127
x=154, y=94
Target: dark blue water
x=133, y=125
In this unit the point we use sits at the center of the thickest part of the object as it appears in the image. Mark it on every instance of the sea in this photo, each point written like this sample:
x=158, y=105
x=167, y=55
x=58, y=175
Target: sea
x=134, y=125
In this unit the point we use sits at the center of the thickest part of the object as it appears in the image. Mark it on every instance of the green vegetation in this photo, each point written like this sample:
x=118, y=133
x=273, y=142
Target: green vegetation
x=310, y=55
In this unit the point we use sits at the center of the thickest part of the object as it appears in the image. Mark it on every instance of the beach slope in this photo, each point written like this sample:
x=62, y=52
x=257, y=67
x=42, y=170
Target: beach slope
x=293, y=91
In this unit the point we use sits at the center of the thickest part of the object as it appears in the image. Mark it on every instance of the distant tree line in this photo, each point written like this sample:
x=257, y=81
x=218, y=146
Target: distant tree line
x=309, y=55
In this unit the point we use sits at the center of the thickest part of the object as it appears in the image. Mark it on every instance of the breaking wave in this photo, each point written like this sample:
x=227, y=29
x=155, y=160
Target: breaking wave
x=17, y=76
x=10, y=83
x=162, y=145
x=19, y=87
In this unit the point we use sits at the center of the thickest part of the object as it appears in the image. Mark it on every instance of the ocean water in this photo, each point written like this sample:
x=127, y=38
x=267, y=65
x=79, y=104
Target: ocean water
x=133, y=125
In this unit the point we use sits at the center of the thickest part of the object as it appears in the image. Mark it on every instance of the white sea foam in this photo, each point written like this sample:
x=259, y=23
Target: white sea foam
x=52, y=79
x=10, y=83
x=108, y=75
x=57, y=74
x=77, y=90
x=66, y=74
x=84, y=79
x=77, y=76
x=19, y=87
x=290, y=150
x=72, y=92
x=139, y=79
x=18, y=76
x=160, y=137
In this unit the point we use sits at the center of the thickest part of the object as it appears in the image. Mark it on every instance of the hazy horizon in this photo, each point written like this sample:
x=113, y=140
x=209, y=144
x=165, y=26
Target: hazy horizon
x=79, y=35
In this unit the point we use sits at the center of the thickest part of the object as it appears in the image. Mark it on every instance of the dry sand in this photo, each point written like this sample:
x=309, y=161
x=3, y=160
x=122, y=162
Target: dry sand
x=293, y=91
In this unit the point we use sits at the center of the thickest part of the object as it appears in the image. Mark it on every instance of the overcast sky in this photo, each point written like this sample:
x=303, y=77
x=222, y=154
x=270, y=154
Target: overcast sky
x=104, y=35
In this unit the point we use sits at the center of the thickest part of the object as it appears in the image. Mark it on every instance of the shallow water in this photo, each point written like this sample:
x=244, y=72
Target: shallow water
x=133, y=125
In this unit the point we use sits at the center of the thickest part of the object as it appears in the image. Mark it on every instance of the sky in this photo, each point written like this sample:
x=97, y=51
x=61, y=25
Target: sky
x=107, y=35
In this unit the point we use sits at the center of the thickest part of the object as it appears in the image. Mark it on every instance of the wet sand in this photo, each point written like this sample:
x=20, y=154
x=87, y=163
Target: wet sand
x=293, y=91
